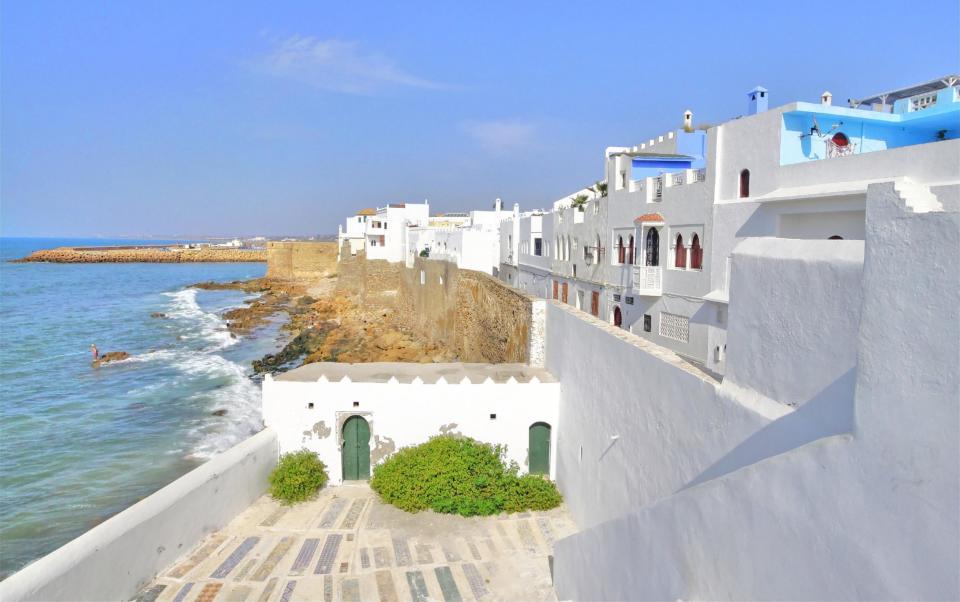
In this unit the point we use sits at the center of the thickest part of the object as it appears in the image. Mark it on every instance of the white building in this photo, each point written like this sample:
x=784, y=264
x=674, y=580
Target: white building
x=652, y=254
x=385, y=231
x=355, y=415
x=470, y=240
x=353, y=233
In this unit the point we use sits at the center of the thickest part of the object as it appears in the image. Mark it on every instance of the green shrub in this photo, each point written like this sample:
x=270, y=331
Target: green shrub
x=532, y=492
x=458, y=475
x=298, y=477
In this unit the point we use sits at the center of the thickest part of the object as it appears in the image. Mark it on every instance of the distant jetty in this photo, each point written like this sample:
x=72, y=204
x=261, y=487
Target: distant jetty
x=144, y=254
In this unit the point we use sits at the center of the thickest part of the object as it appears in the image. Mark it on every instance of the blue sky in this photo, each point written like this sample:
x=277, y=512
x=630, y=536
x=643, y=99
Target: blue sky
x=222, y=118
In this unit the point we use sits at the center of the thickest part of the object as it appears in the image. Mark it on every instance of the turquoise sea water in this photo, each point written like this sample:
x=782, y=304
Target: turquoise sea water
x=78, y=444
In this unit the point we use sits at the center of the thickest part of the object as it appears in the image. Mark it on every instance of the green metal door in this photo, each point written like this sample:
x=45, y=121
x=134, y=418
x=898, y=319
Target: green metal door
x=539, y=448
x=356, y=449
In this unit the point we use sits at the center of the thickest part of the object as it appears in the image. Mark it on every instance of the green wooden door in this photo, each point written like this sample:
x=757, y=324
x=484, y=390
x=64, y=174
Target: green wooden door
x=539, y=448
x=356, y=449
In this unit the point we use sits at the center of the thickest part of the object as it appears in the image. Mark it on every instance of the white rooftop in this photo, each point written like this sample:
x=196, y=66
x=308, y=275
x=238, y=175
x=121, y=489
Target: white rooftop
x=381, y=372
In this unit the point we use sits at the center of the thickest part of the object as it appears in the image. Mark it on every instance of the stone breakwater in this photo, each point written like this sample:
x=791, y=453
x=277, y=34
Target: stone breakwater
x=143, y=255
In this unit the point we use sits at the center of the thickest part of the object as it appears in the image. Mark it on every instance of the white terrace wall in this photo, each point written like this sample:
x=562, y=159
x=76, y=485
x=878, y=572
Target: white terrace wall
x=870, y=514
x=405, y=414
x=117, y=558
x=792, y=325
x=636, y=421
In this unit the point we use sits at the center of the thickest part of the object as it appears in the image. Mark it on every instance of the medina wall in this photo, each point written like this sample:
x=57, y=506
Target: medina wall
x=301, y=259
x=472, y=313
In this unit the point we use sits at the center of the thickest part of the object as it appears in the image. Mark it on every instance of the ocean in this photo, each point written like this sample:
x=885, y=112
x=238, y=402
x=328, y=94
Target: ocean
x=79, y=444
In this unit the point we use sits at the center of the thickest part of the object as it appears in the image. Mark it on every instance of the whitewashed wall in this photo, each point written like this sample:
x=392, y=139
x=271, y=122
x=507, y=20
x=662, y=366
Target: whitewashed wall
x=117, y=558
x=867, y=514
x=668, y=418
x=405, y=414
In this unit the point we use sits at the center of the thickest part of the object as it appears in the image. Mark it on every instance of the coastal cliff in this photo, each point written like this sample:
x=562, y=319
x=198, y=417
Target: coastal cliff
x=143, y=255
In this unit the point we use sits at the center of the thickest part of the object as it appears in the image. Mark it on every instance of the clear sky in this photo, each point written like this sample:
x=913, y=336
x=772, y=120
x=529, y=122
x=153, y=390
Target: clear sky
x=193, y=118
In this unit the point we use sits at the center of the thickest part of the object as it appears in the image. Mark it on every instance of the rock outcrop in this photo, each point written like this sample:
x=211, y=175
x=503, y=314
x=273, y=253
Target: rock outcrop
x=110, y=356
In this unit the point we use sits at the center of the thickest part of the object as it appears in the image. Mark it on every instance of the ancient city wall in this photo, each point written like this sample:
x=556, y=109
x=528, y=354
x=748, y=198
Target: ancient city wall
x=301, y=259
x=479, y=318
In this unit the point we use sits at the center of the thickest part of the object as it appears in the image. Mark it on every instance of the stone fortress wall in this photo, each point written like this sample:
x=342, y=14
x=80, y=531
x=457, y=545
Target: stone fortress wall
x=301, y=259
x=475, y=315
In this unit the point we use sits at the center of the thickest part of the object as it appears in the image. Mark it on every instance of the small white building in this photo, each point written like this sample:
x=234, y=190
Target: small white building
x=353, y=234
x=385, y=231
x=356, y=415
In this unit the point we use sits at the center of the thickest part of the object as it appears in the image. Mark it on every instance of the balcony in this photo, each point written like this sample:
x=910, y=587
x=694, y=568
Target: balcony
x=648, y=280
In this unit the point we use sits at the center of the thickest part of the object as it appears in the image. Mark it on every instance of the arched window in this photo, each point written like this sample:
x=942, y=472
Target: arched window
x=840, y=139
x=680, y=258
x=653, y=247
x=696, y=253
x=744, y=183
x=630, y=250
x=835, y=237
x=621, y=251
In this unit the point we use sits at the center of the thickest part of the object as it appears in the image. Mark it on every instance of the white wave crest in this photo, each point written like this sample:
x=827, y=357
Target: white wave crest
x=205, y=326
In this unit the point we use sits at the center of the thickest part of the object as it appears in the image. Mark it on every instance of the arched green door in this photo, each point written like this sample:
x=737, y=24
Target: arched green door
x=356, y=449
x=539, y=448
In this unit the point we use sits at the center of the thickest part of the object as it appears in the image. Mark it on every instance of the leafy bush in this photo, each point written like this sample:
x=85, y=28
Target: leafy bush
x=458, y=475
x=532, y=492
x=298, y=477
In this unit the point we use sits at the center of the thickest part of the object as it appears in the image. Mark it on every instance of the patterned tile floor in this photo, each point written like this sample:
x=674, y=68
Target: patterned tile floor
x=348, y=546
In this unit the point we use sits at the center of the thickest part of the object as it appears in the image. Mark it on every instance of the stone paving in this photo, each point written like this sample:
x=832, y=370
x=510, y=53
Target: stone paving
x=348, y=546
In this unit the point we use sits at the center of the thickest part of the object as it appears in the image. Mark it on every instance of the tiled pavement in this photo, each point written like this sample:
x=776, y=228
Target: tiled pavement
x=348, y=546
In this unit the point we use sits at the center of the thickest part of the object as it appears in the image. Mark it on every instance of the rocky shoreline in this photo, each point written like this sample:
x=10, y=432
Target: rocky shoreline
x=143, y=255
x=324, y=325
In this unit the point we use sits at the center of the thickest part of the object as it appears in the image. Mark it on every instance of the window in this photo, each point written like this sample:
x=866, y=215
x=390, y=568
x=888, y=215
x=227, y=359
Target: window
x=621, y=251
x=653, y=247
x=629, y=300
x=835, y=237
x=676, y=327
x=744, y=183
x=623, y=179
x=423, y=277
x=647, y=323
x=680, y=257
x=630, y=250
x=840, y=139
x=696, y=253
x=538, y=246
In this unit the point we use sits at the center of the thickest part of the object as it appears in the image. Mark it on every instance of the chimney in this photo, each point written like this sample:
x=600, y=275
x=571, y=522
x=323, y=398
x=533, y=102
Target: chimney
x=498, y=205
x=688, y=121
x=757, y=100
x=826, y=98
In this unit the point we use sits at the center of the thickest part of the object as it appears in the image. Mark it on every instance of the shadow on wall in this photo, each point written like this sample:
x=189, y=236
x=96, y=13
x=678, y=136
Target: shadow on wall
x=829, y=413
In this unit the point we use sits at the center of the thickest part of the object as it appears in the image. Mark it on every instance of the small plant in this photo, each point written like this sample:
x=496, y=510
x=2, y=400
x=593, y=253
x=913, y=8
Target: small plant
x=458, y=475
x=425, y=253
x=599, y=188
x=298, y=477
x=578, y=202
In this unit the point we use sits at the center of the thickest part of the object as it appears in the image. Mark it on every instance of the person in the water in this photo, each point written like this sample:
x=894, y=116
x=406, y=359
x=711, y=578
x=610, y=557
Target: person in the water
x=95, y=352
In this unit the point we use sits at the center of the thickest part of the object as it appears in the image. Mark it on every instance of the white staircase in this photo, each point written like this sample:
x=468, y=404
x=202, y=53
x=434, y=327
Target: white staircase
x=917, y=197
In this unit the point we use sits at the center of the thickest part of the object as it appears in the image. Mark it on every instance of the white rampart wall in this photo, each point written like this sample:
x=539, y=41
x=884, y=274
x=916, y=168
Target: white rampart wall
x=117, y=558
x=869, y=514
x=404, y=414
x=668, y=418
